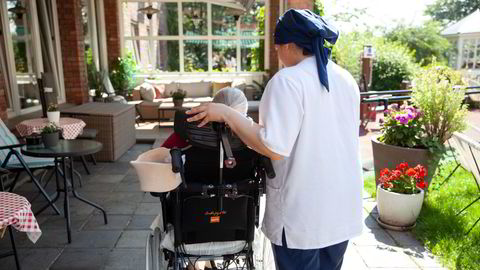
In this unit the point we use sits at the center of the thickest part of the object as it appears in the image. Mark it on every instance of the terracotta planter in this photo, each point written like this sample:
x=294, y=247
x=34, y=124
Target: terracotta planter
x=398, y=211
x=50, y=139
x=178, y=102
x=388, y=156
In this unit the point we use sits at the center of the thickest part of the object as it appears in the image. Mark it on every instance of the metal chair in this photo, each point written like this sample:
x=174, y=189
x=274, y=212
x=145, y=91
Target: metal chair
x=12, y=159
x=469, y=159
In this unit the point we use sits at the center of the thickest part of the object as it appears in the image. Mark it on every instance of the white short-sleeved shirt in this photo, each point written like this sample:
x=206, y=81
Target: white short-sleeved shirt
x=316, y=195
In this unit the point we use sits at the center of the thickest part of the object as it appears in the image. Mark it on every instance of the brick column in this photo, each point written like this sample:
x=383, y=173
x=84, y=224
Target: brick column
x=300, y=4
x=73, y=51
x=112, y=30
x=272, y=20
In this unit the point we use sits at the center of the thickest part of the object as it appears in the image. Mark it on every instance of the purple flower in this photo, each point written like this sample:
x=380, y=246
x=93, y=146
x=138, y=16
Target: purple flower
x=410, y=115
x=402, y=118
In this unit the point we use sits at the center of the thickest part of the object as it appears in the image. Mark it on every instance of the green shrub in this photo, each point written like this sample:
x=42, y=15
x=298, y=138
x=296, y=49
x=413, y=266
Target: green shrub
x=393, y=64
x=121, y=74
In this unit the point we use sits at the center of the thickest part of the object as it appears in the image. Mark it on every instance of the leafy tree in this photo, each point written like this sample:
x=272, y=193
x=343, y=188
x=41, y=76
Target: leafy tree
x=318, y=7
x=424, y=40
x=447, y=11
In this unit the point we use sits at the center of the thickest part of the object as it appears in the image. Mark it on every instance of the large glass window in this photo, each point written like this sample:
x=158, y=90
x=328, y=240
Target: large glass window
x=183, y=35
x=470, y=54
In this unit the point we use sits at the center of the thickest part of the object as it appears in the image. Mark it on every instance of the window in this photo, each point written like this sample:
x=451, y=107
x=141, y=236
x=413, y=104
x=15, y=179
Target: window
x=195, y=37
x=470, y=54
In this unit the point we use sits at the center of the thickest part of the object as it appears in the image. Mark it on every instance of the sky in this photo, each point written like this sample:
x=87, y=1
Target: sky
x=386, y=13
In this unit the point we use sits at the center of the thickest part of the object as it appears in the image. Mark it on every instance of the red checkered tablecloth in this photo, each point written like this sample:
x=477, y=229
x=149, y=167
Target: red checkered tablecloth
x=71, y=127
x=15, y=211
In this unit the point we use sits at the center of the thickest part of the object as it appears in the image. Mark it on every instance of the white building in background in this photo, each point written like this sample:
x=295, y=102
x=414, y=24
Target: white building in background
x=465, y=37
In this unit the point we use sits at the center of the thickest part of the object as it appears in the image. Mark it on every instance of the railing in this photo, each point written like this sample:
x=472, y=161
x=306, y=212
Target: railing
x=388, y=96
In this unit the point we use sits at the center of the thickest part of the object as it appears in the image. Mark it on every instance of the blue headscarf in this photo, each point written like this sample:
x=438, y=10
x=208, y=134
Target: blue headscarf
x=308, y=31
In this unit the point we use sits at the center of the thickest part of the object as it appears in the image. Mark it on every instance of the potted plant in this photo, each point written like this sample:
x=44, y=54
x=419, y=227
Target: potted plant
x=121, y=74
x=416, y=134
x=400, y=196
x=178, y=97
x=53, y=114
x=50, y=135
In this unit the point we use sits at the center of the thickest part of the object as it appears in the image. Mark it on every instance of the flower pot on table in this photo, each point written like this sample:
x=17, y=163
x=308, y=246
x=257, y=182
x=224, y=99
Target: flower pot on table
x=398, y=211
x=50, y=139
x=388, y=156
x=54, y=117
x=178, y=102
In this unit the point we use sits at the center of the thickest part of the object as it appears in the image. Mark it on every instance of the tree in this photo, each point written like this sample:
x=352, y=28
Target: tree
x=318, y=7
x=424, y=40
x=447, y=11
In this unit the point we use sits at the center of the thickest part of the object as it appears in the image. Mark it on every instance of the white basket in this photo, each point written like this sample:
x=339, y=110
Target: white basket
x=154, y=171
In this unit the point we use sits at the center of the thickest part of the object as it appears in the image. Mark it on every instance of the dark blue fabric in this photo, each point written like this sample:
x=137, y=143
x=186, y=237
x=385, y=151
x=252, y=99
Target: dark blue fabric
x=328, y=258
x=308, y=31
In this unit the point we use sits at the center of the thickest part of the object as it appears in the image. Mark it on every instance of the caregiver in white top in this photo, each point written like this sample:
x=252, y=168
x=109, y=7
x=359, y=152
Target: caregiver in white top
x=312, y=137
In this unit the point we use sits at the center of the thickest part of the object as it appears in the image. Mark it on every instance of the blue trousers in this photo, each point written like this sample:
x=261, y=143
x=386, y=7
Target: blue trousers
x=327, y=258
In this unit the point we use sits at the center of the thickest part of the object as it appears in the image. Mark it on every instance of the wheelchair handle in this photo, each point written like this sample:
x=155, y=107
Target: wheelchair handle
x=176, y=160
x=267, y=165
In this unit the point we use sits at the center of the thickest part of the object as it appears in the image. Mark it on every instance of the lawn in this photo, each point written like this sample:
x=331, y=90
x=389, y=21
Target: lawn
x=440, y=228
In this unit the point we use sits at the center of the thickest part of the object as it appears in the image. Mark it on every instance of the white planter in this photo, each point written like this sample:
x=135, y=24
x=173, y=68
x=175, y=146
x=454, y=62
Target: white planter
x=399, y=210
x=54, y=117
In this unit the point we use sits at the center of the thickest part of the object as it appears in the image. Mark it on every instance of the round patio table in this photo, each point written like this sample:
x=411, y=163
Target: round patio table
x=71, y=127
x=64, y=153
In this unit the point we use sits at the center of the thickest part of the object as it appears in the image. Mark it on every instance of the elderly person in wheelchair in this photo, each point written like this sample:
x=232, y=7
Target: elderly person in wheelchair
x=209, y=184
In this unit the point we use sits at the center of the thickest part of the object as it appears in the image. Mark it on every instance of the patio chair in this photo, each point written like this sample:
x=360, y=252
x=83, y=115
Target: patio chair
x=469, y=158
x=12, y=159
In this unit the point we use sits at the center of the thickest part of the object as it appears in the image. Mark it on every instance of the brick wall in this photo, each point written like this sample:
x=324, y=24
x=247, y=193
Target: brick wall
x=112, y=24
x=272, y=20
x=73, y=51
x=300, y=4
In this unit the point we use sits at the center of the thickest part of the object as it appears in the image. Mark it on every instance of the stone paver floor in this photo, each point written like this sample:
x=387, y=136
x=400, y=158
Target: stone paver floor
x=120, y=244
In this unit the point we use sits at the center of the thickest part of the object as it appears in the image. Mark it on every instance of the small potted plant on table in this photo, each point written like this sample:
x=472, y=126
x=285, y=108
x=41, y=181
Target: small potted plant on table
x=400, y=196
x=50, y=135
x=53, y=114
x=178, y=97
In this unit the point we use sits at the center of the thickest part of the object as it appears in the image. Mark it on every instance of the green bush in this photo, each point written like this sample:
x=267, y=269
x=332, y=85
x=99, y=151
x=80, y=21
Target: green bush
x=121, y=74
x=393, y=64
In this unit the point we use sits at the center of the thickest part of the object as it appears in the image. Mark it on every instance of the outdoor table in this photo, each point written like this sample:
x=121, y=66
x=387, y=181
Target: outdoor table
x=16, y=212
x=71, y=127
x=64, y=153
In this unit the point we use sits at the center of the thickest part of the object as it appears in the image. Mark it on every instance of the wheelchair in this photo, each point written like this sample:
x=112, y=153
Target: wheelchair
x=212, y=210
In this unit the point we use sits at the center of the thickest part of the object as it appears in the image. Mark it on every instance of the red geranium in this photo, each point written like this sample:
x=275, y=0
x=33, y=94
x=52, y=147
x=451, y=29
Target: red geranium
x=403, y=179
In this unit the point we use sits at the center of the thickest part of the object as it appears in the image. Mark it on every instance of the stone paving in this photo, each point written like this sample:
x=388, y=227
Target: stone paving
x=120, y=244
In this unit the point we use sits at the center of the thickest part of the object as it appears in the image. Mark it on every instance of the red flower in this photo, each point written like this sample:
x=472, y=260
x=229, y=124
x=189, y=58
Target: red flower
x=387, y=185
x=384, y=172
x=402, y=166
x=411, y=172
x=422, y=184
x=421, y=172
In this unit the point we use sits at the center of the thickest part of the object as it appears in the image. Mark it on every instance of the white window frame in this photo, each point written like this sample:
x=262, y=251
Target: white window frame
x=33, y=34
x=181, y=37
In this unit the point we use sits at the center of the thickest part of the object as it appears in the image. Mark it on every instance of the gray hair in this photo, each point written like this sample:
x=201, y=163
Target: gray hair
x=232, y=97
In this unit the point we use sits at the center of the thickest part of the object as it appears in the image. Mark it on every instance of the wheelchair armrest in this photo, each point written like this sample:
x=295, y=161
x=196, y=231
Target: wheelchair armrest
x=177, y=163
x=267, y=165
x=12, y=146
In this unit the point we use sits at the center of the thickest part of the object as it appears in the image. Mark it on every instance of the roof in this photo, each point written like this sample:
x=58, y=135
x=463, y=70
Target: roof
x=467, y=25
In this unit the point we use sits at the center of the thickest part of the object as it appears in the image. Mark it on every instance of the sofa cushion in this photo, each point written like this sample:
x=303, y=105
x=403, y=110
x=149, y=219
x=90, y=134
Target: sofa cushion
x=160, y=91
x=147, y=91
x=193, y=88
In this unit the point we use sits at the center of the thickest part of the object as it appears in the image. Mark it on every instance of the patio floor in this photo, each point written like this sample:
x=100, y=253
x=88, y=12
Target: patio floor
x=120, y=244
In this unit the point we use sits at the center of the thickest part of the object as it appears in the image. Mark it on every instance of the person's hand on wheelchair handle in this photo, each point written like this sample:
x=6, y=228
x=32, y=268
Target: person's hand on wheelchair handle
x=208, y=112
